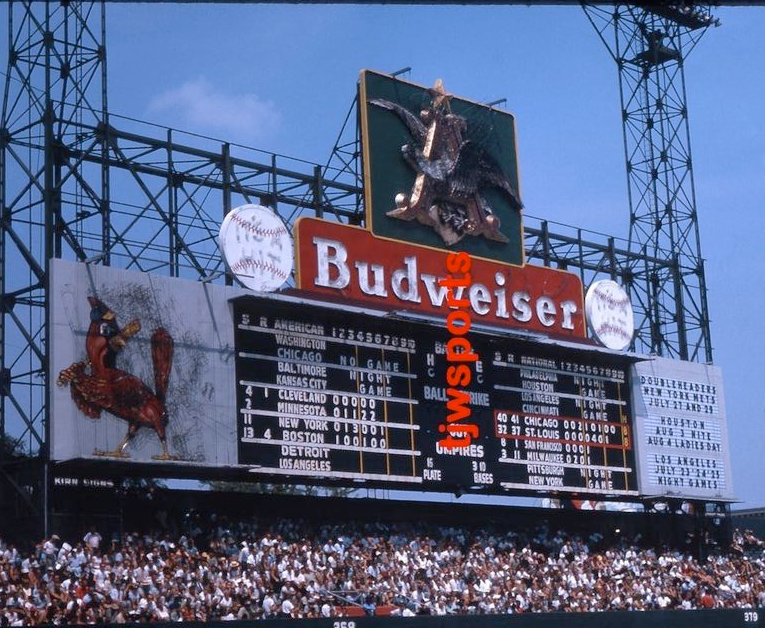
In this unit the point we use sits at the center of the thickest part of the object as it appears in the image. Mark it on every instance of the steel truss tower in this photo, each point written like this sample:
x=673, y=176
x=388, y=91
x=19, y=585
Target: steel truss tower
x=55, y=88
x=75, y=184
x=649, y=45
x=79, y=183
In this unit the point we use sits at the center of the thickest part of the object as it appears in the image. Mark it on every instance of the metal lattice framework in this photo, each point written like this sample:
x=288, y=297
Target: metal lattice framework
x=74, y=185
x=55, y=84
x=80, y=184
x=649, y=46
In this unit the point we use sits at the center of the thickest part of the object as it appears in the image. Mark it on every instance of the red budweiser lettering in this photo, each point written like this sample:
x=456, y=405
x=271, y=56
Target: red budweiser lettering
x=339, y=261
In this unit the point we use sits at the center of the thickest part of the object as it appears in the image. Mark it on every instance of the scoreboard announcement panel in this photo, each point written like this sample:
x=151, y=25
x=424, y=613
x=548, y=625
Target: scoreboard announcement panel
x=681, y=430
x=328, y=395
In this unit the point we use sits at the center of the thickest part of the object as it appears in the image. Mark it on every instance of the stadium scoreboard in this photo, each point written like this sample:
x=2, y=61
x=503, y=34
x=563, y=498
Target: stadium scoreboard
x=326, y=395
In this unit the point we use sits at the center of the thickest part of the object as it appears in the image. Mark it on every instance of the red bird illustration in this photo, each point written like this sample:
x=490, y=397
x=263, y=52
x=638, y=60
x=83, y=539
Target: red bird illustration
x=107, y=388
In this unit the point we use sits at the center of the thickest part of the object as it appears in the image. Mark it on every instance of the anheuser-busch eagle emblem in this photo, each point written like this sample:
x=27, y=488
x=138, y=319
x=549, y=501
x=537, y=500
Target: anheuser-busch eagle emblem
x=451, y=173
x=97, y=385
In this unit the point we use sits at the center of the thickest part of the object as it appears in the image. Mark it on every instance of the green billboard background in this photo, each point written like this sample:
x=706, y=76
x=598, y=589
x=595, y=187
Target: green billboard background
x=388, y=174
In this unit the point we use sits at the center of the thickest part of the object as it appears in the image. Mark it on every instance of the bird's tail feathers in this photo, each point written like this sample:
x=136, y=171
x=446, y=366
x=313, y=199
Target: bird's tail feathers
x=162, y=360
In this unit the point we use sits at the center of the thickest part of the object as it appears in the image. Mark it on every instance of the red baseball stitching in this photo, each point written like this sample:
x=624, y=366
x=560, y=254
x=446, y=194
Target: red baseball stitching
x=253, y=229
x=613, y=329
x=610, y=301
x=259, y=264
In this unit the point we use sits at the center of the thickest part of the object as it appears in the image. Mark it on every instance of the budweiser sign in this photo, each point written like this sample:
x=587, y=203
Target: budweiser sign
x=347, y=263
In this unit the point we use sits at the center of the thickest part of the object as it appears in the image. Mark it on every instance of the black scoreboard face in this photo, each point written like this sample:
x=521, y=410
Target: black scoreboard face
x=324, y=395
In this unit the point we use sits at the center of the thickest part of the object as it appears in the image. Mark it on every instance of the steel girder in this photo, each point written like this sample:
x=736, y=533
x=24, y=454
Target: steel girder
x=74, y=186
x=592, y=255
x=79, y=184
x=55, y=74
x=649, y=47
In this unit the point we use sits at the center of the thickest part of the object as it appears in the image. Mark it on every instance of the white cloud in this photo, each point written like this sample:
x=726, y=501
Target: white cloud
x=198, y=106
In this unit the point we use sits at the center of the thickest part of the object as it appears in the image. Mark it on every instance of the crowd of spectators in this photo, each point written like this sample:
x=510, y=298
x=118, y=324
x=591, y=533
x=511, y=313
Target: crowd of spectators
x=221, y=570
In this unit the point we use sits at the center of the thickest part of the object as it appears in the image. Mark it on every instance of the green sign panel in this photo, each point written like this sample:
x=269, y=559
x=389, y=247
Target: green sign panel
x=440, y=171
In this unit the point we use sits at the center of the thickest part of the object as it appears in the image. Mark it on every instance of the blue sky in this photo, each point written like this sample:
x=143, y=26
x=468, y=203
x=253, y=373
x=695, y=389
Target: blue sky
x=281, y=78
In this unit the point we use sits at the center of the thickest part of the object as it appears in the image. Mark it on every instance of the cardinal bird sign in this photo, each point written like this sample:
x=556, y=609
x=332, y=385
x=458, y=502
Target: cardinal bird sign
x=98, y=386
x=141, y=368
x=440, y=171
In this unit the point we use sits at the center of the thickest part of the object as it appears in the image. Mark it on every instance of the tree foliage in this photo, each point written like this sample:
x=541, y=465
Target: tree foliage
x=11, y=449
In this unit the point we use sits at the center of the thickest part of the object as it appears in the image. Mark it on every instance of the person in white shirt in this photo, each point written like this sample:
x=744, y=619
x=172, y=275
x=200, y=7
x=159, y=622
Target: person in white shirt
x=92, y=539
x=268, y=605
x=287, y=608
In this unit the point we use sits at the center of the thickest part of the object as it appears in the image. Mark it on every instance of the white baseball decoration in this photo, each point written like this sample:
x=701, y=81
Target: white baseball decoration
x=257, y=247
x=609, y=314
